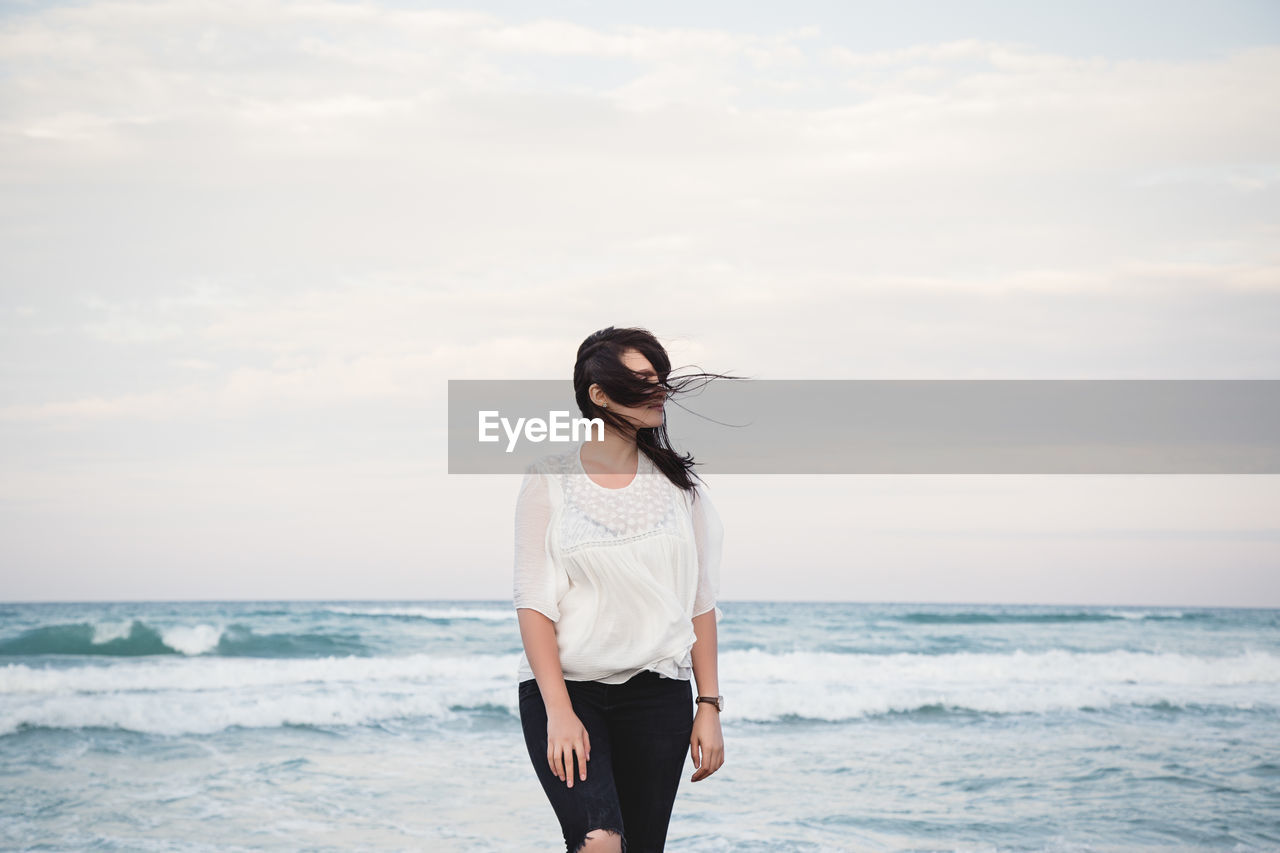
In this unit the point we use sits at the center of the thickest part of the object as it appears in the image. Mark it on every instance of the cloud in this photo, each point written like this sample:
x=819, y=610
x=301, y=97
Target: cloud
x=248, y=242
x=356, y=189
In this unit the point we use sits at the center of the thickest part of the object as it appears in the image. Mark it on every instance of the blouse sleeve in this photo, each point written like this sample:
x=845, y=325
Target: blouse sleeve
x=708, y=533
x=535, y=572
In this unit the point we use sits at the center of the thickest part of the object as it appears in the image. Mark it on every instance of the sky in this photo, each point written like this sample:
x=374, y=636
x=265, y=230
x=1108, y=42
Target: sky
x=244, y=245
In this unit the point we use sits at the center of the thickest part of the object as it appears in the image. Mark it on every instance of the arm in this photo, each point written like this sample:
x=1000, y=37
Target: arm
x=704, y=659
x=706, y=744
x=539, y=636
x=537, y=611
x=566, y=735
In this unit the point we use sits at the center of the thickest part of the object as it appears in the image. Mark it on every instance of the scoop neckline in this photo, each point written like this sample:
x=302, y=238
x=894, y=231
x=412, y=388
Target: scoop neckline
x=582, y=469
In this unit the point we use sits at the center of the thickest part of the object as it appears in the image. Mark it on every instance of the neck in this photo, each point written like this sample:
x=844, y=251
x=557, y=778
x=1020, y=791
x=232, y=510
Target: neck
x=616, y=452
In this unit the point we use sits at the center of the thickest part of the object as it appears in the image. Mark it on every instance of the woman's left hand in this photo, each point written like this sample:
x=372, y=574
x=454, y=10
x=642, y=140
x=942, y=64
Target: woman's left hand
x=706, y=744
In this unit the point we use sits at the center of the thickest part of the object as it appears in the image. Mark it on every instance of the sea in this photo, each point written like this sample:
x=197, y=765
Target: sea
x=394, y=725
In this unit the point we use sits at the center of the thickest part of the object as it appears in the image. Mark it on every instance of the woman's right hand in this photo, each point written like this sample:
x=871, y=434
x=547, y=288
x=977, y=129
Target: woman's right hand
x=566, y=736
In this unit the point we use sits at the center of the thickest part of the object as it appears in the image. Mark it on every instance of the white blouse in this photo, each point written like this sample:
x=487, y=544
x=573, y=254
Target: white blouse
x=621, y=572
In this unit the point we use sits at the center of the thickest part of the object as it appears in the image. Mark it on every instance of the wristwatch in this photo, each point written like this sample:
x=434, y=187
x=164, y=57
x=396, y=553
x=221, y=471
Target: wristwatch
x=718, y=701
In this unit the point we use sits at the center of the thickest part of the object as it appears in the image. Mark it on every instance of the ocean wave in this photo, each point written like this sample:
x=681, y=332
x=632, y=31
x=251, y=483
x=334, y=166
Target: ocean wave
x=134, y=638
x=176, y=695
x=442, y=614
x=1251, y=666
x=984, y=617
x=211, y=674
x=126, y=639
x=201, y=695
x=834, y=687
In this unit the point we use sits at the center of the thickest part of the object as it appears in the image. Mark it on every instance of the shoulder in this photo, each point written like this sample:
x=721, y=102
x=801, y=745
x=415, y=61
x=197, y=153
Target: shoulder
x=689, y=497
x=700, y=500
x=700, y=491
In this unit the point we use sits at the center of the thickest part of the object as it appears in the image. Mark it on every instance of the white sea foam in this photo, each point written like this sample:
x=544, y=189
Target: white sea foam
x=192, y=639
x=840, y=687
x=105, y=632
x=1144, y=614
x=222, y=673
x=201, y=695
x=207, y=694
x=428, y=612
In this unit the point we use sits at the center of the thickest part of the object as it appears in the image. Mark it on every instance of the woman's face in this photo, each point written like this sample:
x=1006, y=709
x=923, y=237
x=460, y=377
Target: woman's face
x=646, y=416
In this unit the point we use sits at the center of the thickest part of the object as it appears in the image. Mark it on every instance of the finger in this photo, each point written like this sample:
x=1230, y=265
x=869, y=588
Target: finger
x=712, y=759
x=551, y=761
x=582, y=762
x=586, y=738
x=567, y=758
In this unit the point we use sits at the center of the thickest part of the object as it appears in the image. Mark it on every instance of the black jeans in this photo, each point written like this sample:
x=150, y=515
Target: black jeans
x=639, y=732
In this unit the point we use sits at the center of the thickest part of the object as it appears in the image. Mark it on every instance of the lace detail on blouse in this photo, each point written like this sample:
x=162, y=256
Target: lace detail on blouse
x=595, y=515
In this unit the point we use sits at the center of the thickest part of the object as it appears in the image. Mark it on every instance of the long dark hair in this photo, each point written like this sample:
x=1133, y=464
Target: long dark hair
x=600, y=362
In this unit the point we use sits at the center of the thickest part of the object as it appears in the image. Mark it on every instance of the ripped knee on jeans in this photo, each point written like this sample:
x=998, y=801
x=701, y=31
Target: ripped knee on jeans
x=602, y=840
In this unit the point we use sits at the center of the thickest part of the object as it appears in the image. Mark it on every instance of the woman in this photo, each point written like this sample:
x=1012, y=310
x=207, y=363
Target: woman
x=617, y=557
